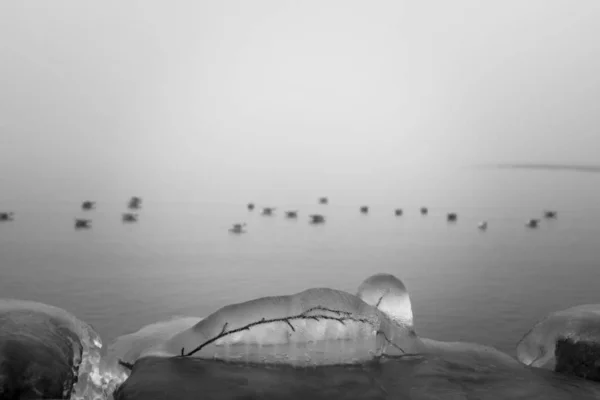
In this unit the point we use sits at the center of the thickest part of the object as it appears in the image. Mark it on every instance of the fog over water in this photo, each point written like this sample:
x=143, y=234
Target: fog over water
x=201, y=107
x=278, y=101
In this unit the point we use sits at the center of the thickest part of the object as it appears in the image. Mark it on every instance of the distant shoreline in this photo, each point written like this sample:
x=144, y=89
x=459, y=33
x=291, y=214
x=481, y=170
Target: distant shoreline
x=544, y=167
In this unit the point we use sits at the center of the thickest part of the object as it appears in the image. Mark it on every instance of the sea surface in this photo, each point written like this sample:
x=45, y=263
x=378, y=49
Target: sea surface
x=179, y=259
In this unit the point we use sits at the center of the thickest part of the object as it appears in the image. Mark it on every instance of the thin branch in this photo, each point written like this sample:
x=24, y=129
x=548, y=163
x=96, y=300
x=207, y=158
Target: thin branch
x=224, y=327
x=126, y=364
x=392, y=343
x=291, y=326
x=381, y=298
x=341, y=318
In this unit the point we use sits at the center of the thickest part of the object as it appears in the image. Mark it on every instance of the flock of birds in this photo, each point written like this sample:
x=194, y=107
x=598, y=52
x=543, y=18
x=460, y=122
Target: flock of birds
x=135, y=203
x=319, y=218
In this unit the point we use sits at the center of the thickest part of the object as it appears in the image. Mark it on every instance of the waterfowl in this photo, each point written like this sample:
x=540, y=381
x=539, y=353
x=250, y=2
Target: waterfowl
x=130, y=217
x=237, y=228
x=452, y=217
x=532, y=223
x=323, y=200
x=317, y=218
x=250, y=206
x=268, y=210
x=398, y=212
x=7, y=216
x=424, y=210
x=550, y=214
x=135, y=203
x=82, y=223
x=483, y=225
x=291, y=214
x=88, y=205
x=364, y=209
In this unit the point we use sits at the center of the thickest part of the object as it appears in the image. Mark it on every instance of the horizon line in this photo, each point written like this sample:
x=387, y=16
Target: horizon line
x=544, y=167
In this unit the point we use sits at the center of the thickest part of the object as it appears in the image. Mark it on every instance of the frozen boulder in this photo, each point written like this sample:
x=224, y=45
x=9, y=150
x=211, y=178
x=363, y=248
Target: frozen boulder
x=565, y=341
x=361, y=346
x=46, y=352
x=319, y=326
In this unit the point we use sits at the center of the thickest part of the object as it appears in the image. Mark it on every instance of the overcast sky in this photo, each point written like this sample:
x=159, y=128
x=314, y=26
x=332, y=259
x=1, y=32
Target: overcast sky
x=234, y=100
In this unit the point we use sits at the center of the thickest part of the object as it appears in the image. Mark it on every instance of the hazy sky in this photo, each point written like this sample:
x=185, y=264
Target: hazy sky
x=241, y=100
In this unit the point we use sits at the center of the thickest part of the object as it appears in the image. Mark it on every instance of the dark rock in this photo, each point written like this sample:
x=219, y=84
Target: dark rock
x=579, y=358
x=414, y=378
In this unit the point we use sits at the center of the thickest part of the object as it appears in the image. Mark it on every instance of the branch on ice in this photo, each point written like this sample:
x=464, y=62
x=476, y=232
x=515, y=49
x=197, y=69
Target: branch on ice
x=340, y=316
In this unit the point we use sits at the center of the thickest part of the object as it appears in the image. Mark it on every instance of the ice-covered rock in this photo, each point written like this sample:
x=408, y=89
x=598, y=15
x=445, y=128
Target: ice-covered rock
x=566, y=341
x=318, y=326
x=46, y=352
x=428, y=370
x=366, y=347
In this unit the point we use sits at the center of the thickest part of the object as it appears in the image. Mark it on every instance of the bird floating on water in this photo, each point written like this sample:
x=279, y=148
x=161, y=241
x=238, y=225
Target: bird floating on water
x=81, y=223
x=135, y=203
x=550, y=214
x=483, y=225
x=317, y=218
x=364, y=209
x=398, y=212
x=7, y=216
x=268, y=210
x=237, y=228
x=323, y=200
x=532, y=223
x=452, y=217
x=424, y=210
x=130, y=217
x=291, y=214
x=250, y=206
x=88, y=205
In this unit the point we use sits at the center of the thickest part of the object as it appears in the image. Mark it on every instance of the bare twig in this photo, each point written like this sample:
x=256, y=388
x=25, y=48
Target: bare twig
x=341, y=318
x=381, y=298
x=224, y=327
x=126, y=364
x=390, y=342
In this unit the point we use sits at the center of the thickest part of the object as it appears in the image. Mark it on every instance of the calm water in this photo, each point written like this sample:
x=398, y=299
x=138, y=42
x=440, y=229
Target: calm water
x=486, y=287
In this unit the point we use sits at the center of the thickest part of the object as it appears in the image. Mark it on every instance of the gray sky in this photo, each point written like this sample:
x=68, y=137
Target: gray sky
x=240, y=100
